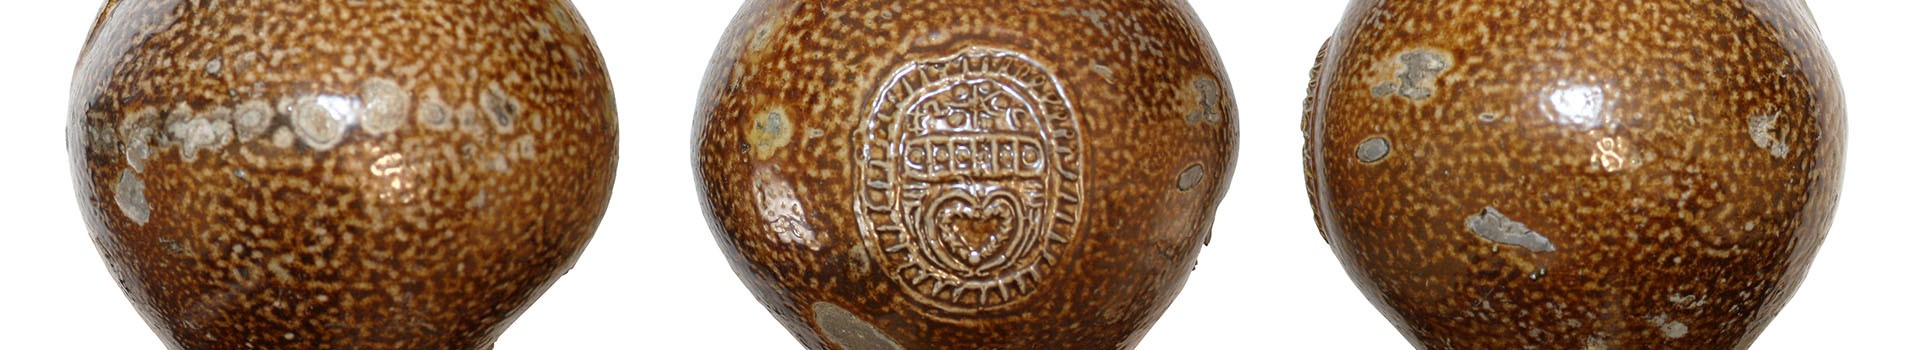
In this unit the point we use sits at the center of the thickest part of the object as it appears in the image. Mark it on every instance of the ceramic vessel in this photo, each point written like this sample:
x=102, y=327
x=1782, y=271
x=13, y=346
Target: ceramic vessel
x=964, y=174
x=339, y=174
x=1519, y=174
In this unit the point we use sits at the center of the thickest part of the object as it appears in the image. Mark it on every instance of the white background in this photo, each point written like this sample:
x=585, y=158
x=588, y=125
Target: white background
x=653, y=277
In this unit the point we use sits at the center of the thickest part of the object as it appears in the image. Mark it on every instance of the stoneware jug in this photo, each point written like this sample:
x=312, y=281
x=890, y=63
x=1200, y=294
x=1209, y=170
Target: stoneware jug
x=1509, y=174
x=964, y=174
x=338, y=174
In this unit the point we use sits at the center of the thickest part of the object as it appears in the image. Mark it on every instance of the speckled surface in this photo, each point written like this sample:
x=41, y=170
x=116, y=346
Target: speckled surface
x=1576, y=175
x=339, y=174
x=964, y=174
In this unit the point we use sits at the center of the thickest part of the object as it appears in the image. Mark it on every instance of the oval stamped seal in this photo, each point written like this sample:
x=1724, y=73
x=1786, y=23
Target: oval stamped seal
x=969, y=178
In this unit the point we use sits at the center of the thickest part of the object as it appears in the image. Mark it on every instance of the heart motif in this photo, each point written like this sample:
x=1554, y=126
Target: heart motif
x=972, y=231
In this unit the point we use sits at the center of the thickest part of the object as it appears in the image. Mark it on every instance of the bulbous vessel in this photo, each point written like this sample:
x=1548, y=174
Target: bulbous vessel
x=1508, y=174
x=339, y=174
x=964, y=174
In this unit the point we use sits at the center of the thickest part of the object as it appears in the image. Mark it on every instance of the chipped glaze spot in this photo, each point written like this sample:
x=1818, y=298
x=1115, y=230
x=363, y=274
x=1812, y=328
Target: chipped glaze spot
x=1582, y=106
x=846, y=330
x=1496, y=227
x=130, y=194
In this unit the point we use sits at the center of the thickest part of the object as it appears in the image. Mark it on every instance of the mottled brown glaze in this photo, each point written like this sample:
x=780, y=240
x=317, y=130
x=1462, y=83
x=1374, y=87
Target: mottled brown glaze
x=1509, y=174
x=339, y=174
x=964, y=174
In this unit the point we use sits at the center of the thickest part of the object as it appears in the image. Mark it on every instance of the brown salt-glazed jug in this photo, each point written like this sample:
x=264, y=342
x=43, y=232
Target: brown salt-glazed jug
x=1508, y=174
x=964, y=174
x=337, y=174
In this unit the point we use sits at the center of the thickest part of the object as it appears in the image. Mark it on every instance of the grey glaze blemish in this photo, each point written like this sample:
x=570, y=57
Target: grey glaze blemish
x=1207, y=91
x=130, y=194
x=316, y=126
x=102, y=140
x=433, y=113
x=1191, y=177
x=1494, y=226
x=1373, y=149
x=524, y=148
x=1767, y=135
x=496, y=162
x=385, y=105
x=1419, y=70
x=1596, y=342
x=478, y=201
x=136, y=133
x=1105, y=73
x=175, y=247
x=771, y=131
x=469, y=152
x=1096, y=17
x=209, y=132
x=1687, y=301
x=283, y=138
x=761, y=35
x=467, y=118
x=848, y=331
x=1385, y=89
x=213, y=66
x=501, y=109
x=1670, y=328
x=1674, y=329
x=251, y=119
